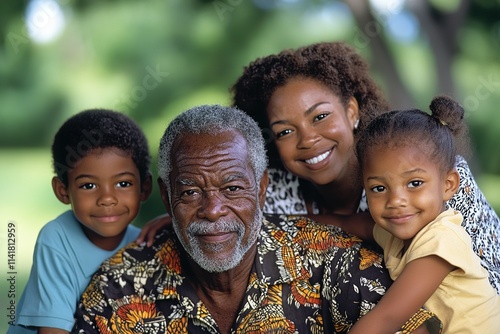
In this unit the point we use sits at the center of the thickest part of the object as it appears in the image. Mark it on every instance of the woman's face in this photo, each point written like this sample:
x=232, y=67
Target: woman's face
x=313, y=130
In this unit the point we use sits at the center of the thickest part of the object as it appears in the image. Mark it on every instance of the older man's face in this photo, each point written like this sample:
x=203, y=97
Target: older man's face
x=216, y=202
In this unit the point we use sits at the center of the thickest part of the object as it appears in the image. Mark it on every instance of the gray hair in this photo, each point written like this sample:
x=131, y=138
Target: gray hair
x=213, y=119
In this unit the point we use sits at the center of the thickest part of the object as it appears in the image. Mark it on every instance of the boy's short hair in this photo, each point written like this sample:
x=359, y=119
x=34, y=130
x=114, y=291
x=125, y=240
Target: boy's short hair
x=97, y=129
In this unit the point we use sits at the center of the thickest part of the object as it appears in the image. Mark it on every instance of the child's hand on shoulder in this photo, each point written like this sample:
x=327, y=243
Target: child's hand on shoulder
x=151, y=229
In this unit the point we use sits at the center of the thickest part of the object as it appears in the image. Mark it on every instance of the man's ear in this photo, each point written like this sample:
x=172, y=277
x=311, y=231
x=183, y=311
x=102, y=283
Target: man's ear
x=264, y=182
x=60, y=190
x=164, y=196
x=452, y=182
x=146, y=187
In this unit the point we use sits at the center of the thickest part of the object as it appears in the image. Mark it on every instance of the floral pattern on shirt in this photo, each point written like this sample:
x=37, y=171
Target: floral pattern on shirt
x=306, y=278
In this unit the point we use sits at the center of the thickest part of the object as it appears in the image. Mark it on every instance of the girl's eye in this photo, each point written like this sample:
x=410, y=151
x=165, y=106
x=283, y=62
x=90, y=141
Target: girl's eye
x=414, y=184
x=123, y=184
x=377, y=189
x=283, y=133
x=88, y=186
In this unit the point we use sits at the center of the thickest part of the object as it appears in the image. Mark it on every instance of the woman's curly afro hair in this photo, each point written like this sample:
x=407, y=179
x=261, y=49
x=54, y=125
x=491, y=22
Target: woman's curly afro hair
x=336, y=65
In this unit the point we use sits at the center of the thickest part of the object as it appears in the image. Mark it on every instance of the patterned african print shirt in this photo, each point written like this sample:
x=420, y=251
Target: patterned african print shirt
x=306, y=278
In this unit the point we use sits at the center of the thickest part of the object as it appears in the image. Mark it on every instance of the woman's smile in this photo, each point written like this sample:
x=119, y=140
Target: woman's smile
x=318, y=158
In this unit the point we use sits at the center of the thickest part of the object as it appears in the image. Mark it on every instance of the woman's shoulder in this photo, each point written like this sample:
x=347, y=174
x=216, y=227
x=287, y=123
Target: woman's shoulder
x=468, y=199
x=283, y=193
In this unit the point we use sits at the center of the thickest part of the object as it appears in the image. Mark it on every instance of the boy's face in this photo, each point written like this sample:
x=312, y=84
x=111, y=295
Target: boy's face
x=405, y=189
x=104, y=190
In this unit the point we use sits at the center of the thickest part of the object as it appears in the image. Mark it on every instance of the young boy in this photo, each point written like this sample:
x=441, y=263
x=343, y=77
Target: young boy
x=101, y=161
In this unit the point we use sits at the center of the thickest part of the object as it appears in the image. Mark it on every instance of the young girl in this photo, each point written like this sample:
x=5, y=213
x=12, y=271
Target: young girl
x=407, y=160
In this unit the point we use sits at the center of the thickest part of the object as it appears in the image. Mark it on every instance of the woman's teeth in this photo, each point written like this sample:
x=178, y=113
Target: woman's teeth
x=318, y=159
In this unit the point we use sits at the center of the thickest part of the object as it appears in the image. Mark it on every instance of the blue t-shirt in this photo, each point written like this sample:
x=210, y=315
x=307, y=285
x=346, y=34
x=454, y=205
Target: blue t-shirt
x=64, y=261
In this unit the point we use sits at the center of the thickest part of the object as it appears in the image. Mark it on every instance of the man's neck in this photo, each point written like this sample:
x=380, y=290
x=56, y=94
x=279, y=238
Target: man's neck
x=222, y=293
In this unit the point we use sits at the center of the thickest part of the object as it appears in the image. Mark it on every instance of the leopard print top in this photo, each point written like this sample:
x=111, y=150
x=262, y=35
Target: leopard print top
x=480, y=220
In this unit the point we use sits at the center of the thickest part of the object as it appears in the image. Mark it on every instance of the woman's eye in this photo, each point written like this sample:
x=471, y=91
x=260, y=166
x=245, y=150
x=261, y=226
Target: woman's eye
x=123, y=184
x=414, y=184
x=283, y=133
x=320, y=117
x=377, y=189
x=88, y=186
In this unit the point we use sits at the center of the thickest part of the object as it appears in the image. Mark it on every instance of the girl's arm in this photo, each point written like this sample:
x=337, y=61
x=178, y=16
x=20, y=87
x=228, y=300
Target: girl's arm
x=360, y=224
x=418, y=281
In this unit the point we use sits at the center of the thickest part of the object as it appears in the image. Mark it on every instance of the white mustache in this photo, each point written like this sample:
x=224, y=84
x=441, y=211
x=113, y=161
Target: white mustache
x=203, y=227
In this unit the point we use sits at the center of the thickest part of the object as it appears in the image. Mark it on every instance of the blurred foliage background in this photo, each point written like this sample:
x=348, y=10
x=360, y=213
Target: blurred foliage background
x=152, y=59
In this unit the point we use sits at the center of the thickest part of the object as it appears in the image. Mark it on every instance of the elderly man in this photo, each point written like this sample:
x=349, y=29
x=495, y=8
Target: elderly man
x=222, y=267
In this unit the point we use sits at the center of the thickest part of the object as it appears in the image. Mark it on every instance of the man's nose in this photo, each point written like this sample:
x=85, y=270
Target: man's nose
x=212, y=206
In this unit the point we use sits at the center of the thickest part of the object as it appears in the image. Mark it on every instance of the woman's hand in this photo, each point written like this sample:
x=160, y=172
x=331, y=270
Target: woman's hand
x=152, y=227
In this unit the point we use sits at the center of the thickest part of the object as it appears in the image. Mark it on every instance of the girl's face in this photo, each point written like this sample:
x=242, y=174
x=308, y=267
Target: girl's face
x=313, y=130
x=405, y=189
x=104, y=190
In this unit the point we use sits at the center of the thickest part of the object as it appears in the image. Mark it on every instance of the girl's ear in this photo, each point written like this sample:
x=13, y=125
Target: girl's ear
x=60, y=190
x=352, y=111
x=452, y=182
x=146, y=187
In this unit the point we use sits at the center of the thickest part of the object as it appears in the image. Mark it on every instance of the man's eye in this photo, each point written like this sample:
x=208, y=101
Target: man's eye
x=190, y=192
x=377, y=189
x=123, y=184
x=233, y=188
x=88, y=186
x=415, y=183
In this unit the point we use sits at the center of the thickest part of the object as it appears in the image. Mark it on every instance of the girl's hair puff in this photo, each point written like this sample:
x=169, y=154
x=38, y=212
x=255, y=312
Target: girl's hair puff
x=443, y=132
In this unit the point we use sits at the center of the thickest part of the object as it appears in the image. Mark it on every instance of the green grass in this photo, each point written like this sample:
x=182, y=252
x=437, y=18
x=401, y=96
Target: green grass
x=490, y=186
x=28, y=202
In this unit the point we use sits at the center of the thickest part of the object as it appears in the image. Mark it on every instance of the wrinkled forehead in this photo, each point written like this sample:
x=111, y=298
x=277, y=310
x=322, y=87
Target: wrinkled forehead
x=207, y=143
x=227, y=149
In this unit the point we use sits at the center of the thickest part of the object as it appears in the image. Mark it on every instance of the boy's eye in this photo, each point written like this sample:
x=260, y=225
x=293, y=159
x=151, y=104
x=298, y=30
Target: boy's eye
x=88, y=186
x=415, y=183
x=123, y=184
x=377, y=189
